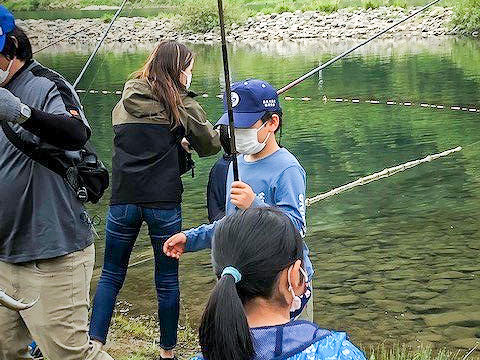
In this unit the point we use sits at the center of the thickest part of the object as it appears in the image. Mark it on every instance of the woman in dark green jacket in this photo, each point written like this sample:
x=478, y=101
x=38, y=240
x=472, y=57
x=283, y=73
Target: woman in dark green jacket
x=155, y=123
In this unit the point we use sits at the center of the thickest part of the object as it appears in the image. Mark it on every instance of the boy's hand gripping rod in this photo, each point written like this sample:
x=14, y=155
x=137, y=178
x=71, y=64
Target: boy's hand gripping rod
x=330, y=62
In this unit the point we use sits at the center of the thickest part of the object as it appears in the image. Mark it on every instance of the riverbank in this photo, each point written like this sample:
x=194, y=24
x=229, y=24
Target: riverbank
x=342, y=24
x=134, y=338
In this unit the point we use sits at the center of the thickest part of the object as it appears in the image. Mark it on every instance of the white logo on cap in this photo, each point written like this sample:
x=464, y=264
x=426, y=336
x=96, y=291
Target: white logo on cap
x=269, y=103
x=1, y=31
x=235, y=99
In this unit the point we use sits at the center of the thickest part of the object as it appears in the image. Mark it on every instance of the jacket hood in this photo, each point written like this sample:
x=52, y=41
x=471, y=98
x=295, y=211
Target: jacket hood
x=283, y=341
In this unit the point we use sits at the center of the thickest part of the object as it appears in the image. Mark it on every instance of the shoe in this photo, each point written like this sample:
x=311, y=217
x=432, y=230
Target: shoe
x=162, y=358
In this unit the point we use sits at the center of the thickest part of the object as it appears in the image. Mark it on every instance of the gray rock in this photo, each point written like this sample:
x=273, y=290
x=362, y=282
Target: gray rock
x=367, y=316
x=453, y=318
x=459, y=332
x=362, y=288
x=449, y=275
x=391, y=305
x=343, y=299
x=423, y=295
x=426, y=308
x=465, y=343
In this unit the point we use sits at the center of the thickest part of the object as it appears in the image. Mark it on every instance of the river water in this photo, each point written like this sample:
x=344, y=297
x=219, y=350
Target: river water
x=395, y=260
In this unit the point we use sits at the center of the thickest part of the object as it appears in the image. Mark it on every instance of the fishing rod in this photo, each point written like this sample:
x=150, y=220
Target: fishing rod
x=228, y=91
x=60, y=40
x=87, y=64
x=330, y=62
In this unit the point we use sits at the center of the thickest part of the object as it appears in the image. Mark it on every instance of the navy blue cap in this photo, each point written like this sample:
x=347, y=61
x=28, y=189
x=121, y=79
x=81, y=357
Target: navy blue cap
x=251, y=99
x=7, y=24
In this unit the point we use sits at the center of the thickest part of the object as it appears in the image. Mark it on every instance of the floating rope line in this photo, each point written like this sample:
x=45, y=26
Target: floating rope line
x=379, y=175
x=361, y=181
x=474, y=109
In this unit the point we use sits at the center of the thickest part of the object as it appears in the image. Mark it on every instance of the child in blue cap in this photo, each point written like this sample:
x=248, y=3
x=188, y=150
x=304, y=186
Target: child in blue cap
x=270, y=175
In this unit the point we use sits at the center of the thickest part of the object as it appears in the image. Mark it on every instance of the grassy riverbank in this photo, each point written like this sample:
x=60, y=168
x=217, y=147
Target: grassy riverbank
x=201, y=16
x=133, y=339
x=254, y=5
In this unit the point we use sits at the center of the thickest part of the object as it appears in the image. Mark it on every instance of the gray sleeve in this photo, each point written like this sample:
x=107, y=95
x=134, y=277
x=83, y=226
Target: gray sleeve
x=64, y=101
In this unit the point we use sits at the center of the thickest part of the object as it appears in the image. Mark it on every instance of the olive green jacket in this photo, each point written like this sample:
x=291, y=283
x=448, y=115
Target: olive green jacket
x=139, y=106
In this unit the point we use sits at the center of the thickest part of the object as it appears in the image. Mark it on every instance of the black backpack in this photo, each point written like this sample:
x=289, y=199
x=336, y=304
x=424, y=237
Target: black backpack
x=84, y=172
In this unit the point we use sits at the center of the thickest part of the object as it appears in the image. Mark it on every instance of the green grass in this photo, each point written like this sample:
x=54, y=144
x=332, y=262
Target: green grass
x=135, y=339
x=201, y=15
x=467, y=15
x=402, y=352
x=249, y=5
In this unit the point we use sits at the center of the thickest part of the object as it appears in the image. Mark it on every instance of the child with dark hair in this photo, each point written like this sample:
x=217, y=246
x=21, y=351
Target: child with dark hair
x=257, y=257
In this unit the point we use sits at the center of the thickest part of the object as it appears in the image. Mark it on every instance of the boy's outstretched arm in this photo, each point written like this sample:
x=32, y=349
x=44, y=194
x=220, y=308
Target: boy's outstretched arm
x=195, y=239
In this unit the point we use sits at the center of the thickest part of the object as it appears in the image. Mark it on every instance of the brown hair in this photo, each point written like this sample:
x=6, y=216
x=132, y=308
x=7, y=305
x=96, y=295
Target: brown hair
x=162, y=71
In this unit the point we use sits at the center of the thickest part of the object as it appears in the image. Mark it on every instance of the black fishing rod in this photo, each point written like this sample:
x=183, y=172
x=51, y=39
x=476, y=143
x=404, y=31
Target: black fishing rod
x=228, y=91
x=87, y=64
x=316, y=70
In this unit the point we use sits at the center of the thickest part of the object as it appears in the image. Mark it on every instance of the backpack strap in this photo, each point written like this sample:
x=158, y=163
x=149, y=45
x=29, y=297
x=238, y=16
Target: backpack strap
x=33, y=151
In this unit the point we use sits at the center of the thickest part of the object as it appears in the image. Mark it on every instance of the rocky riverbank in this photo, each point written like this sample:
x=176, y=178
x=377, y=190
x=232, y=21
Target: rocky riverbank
x=343, y=24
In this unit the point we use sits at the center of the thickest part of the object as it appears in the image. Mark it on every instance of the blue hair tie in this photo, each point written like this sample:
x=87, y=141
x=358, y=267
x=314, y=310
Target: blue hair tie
x=230, y=270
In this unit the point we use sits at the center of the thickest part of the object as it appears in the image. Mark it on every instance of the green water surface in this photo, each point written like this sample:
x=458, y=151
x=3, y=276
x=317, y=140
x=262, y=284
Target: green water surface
x=395, y=260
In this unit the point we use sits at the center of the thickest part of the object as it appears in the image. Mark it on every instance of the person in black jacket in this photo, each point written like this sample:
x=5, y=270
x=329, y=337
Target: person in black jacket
x=157, y=112
x=217, y=179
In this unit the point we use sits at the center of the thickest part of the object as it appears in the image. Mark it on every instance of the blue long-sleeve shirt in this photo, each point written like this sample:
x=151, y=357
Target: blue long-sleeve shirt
x=277, y=180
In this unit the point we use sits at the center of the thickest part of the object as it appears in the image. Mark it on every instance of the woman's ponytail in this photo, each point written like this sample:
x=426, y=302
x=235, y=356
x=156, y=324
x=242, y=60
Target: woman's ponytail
x=224, y=332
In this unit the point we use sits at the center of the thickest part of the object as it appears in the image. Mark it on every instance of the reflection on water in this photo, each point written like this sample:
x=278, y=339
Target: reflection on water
x=395, y=260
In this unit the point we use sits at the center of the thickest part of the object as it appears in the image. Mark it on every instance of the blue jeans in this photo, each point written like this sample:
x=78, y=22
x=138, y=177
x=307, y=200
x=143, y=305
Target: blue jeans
x=123, y=226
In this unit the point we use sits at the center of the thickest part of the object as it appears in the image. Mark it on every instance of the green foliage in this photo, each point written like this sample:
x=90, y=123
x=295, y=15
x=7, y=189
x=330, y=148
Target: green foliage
x=398, y=3
x=326, y=6
x=107, y=17
x=202, y=16
x=467, y=16
x=402, y=352
x=26, y=5
x=285, y=6
x=371, y=4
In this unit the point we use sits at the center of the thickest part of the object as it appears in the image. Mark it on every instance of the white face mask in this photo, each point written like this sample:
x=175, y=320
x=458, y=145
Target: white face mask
x=189, y=79
x=297, y=303
x=246, y=141
x=4, y=73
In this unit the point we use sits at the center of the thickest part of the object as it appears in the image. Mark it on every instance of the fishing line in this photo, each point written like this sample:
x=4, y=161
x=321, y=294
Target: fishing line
x=99, y=44
x=330, y=62
x=60, y=40
x=117, y=92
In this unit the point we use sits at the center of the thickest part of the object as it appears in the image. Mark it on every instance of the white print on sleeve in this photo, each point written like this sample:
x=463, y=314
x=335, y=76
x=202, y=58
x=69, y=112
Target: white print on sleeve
x=302, y=209
x=261, y=196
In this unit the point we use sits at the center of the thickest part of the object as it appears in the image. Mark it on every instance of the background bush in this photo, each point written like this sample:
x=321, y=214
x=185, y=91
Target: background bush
x=201, y=16
x=467, y=16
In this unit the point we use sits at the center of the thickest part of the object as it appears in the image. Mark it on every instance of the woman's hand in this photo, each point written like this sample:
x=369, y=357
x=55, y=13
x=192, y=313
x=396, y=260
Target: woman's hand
x=186, y=145
x=174, y=247
x=241, y=195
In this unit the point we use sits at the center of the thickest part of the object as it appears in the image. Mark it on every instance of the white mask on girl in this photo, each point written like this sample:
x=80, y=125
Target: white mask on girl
x=246, y=141
x=189, y=79
x=4, y=73
x=299, y=301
